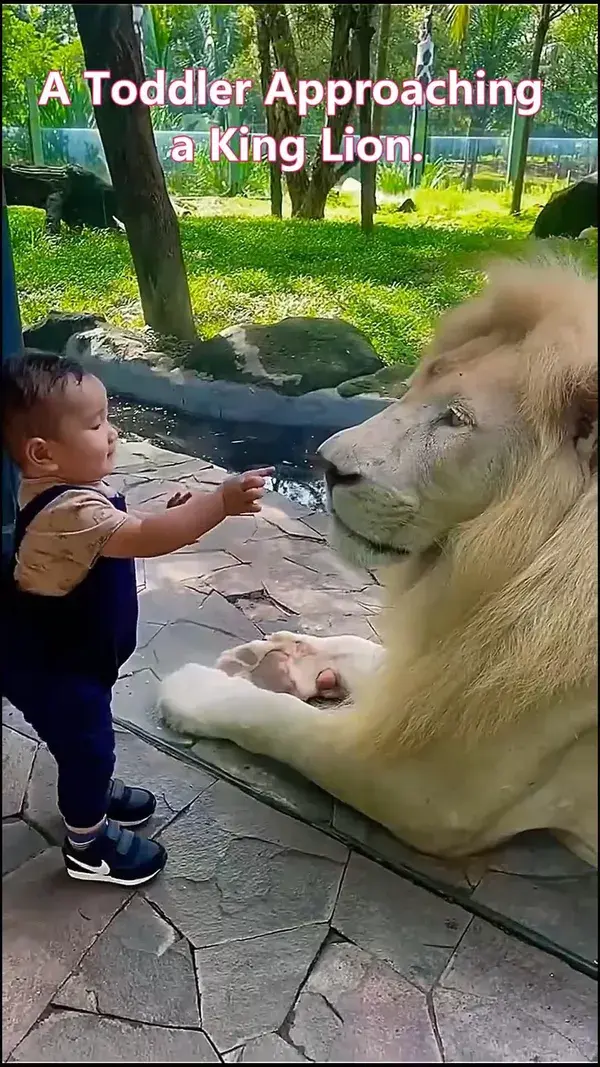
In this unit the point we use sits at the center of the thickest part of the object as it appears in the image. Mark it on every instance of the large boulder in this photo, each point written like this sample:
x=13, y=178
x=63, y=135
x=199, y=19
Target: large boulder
x=293, y=357
x=570, y=211
x=390, y=381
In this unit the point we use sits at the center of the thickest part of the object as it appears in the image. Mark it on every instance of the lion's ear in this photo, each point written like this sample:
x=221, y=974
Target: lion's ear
x=584, y=423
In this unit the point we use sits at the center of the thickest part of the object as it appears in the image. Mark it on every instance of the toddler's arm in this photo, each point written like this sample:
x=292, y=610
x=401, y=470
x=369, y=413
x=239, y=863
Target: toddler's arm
x=144, y=536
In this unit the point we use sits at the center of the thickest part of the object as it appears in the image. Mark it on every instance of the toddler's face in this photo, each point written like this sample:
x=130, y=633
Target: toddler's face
x=82, y=447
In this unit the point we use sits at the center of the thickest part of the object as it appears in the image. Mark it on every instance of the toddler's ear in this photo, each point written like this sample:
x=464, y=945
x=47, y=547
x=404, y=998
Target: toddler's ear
x=38, y=455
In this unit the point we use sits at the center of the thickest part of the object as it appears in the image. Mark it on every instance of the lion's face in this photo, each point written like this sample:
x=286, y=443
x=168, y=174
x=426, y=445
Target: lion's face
x=398, y=483
x=508, y=390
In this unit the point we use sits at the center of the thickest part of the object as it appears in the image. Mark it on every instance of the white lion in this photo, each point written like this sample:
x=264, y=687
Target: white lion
x=478, y=491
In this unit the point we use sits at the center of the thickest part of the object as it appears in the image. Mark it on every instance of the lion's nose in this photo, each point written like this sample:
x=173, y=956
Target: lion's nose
x=333, y=475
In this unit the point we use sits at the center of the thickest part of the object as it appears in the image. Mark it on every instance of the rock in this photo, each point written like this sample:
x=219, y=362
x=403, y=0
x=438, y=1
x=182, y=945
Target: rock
x=53, y=334
x=570, y=211
x=389, y=381
x=294, y=356
x=350, y=185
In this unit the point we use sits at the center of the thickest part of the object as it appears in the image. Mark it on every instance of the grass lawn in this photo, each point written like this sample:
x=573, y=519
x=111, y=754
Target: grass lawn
x=243, y=266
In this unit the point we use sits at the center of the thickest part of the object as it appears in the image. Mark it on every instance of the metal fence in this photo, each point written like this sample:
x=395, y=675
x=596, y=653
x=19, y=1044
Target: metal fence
x=548, y=157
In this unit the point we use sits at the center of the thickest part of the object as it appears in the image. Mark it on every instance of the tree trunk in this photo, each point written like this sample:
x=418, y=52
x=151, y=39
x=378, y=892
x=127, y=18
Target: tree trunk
x=383, y=43
x=541, y=34
x=109, y=43
x=315, y=199
x=365, y=31
x=344, y=65
x=266, y=74
x=476, y=130
x=308, y=196
x=287, y=121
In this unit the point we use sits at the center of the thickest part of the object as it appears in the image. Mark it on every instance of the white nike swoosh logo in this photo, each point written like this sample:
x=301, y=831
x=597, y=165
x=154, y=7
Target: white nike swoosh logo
x=102, y=869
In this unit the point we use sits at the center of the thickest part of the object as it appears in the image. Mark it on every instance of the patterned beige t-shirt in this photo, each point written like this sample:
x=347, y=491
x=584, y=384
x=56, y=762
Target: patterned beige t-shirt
x=64, y=540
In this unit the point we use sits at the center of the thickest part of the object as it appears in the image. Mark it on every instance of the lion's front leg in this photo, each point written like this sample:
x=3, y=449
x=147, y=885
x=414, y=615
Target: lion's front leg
x=204, y=702
x=306, y=667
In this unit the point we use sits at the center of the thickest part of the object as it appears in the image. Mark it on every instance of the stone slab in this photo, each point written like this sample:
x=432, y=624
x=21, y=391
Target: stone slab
x=135, y=701
x=169, y=605
x=494, y=981
x=12, y=717
x=48, y=922
x=478, y=1031
x=398, y=922
x=271, y=1048
x=358, y=828
x=74, y=1037
x=249, y=986
x=239, y=869
x=20, y=843
x=178, y=644
x=185, y=567
x=354, y=1009
x=564, y=910
x=538, y=855
x=18, y=753
x=140, y=968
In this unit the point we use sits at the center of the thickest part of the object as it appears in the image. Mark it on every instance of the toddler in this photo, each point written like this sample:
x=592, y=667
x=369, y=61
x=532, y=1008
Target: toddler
x=70, y=605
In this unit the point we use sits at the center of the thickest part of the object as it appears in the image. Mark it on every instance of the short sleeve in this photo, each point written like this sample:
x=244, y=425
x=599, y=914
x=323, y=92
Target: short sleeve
x=64, y=541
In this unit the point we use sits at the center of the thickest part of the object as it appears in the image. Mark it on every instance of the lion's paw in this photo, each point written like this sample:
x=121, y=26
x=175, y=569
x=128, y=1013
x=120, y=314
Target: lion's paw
x=200, y=701
x=286, y=663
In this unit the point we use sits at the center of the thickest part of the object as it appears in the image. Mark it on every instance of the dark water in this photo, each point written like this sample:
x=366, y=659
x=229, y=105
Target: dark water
x=235, y=445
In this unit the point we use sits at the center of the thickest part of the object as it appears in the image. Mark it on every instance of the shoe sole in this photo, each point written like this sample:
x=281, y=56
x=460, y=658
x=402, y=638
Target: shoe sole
x=89, y=876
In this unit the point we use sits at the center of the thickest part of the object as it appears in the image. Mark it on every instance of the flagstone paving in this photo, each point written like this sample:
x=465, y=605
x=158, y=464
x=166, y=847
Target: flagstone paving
x=285, y=927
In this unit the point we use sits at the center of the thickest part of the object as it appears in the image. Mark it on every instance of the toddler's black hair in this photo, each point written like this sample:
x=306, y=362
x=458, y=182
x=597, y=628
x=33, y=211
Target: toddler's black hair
x=26, y=382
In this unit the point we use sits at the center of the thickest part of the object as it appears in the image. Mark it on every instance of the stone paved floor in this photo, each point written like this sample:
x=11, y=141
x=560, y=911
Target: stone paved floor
x=272, y=936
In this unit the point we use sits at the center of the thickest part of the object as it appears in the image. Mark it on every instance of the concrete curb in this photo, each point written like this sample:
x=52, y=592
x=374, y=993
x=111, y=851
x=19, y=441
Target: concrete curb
x=186, y=392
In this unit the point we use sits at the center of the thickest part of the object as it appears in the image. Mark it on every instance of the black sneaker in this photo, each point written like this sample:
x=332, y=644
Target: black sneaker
x=116, y=856
x=129, y=807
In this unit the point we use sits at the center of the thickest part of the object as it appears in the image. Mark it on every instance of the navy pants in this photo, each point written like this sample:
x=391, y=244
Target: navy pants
x=62, y=658
x=72, y=715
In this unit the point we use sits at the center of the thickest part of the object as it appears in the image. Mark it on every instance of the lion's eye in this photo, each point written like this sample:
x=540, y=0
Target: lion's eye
x=454, y=417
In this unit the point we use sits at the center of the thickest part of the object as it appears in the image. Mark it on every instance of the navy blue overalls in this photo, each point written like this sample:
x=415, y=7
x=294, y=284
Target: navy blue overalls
x=62, y=656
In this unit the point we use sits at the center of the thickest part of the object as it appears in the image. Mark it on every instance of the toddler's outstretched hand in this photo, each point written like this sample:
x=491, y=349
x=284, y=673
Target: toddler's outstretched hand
x=241, y=494
x=177, y=499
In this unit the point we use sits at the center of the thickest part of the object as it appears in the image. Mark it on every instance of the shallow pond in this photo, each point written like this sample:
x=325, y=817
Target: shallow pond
x=235, y=445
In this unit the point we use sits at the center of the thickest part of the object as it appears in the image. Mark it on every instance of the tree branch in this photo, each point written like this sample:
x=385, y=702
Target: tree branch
x=339, y=173
x=561, y=9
